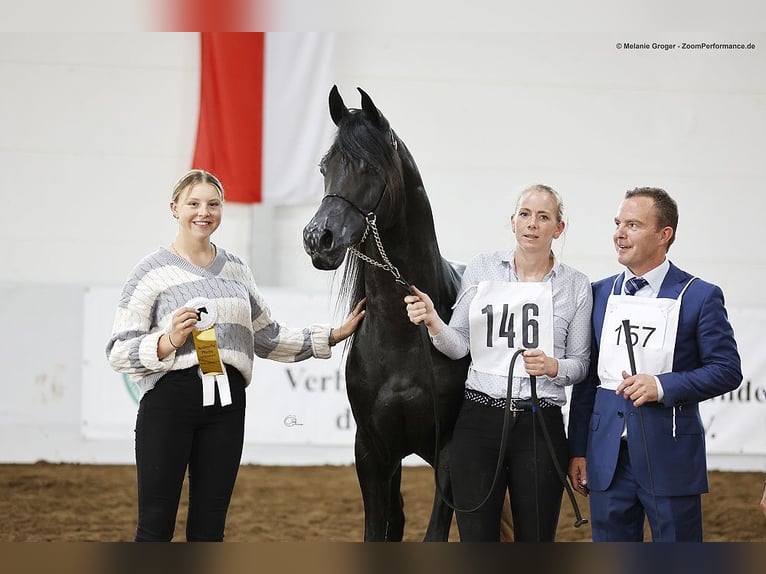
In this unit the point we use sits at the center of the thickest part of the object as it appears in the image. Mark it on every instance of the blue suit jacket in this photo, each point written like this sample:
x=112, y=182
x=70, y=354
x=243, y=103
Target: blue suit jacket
x=706, y=364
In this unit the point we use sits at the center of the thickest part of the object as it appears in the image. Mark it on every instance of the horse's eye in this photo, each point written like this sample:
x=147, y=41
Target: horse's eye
x=367, y=168
x=322, y=169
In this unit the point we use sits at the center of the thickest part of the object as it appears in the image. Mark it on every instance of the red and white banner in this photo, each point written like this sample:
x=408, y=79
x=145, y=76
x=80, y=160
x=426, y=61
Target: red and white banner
x=231, y=112
x=263, y=120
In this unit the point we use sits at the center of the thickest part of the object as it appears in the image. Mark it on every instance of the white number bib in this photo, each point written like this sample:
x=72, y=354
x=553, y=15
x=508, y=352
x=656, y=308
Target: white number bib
x=653, y=327
x=506, y=316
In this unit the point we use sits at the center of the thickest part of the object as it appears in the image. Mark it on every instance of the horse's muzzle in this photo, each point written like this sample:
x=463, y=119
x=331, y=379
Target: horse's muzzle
x=320, y=245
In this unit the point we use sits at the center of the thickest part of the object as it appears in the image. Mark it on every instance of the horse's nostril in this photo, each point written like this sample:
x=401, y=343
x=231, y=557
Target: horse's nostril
x=308, y=240
x=325, y=241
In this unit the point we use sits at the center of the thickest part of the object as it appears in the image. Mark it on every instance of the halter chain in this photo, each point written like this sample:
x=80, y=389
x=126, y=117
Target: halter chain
x=371, y=221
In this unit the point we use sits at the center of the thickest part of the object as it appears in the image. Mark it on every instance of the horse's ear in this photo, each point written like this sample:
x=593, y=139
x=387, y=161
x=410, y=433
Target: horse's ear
x=369, y=108
x=338, y=109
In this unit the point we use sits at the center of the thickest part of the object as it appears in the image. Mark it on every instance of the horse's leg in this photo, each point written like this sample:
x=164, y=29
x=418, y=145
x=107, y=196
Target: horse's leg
x=395, y=531
x=441, y=512
x=375, y=483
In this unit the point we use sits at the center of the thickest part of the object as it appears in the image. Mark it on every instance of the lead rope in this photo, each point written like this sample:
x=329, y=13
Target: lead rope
x=371, y=221
x=579, y=520
x=503, y=437
x=391, y=268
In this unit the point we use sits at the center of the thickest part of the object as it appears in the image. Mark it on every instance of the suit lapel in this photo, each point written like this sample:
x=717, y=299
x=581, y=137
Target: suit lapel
x=610, y=286
x=674, y=282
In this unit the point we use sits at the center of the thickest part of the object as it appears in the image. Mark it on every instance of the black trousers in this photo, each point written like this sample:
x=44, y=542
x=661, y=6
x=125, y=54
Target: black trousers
x=175, y=432
x=527, y=472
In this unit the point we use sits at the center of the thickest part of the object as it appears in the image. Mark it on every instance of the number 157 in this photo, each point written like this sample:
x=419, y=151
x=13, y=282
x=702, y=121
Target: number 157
x=634, y=336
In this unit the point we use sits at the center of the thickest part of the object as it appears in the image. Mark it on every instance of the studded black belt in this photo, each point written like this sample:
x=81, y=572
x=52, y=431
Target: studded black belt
x=517, y=405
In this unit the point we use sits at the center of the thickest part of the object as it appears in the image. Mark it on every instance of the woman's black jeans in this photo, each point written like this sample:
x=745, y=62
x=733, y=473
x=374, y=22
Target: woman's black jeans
x=175, y=432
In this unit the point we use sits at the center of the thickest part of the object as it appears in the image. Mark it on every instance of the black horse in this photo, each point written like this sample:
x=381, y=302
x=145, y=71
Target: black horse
x=376, y=209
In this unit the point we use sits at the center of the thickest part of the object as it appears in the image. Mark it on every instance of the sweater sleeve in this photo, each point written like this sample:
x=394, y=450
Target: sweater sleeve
x=279, y=342
x=132, y=347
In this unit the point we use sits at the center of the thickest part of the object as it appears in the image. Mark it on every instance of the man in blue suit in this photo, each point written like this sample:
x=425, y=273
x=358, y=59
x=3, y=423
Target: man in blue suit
x=662, y=343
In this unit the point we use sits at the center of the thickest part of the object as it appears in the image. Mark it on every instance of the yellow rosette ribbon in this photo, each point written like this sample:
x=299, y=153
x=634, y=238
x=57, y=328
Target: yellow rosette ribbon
x=211, y=367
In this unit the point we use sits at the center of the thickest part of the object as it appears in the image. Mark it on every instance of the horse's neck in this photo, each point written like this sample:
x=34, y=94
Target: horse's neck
x=411, y=245
x=420, y=248
x=412, y=248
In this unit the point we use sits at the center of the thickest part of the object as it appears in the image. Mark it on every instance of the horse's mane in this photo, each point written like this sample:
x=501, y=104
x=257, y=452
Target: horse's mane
x=361, y=143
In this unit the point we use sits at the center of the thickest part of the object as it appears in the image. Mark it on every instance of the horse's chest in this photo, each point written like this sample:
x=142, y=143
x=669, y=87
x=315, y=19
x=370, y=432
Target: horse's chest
x=385, y=389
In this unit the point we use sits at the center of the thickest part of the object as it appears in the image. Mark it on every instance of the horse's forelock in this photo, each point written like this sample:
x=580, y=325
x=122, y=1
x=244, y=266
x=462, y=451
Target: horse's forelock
x=358, y=139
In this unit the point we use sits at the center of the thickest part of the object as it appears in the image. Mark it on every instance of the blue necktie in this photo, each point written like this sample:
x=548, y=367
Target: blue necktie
x=634, y=284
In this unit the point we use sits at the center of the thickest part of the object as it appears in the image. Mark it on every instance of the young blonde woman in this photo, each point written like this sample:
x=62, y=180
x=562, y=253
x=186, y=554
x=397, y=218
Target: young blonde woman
x=187, y=327
x=522, y=298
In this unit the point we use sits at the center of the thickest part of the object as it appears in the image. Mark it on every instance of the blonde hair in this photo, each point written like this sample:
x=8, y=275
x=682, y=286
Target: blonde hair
x=547, y=189
x=193, y=177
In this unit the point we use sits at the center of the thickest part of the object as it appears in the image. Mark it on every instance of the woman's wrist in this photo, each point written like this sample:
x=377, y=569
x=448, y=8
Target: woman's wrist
x=553, y=368
x=172, y=344
x=331, y=338
x=435, y=326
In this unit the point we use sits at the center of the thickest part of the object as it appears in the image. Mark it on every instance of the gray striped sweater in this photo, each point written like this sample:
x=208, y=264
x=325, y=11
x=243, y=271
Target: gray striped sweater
x=162, y=282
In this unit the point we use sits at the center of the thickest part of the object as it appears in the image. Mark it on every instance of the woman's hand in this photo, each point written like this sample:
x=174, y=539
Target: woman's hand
x=181, y=325
x=420, y=309
x=350, y=325
x=538, y=364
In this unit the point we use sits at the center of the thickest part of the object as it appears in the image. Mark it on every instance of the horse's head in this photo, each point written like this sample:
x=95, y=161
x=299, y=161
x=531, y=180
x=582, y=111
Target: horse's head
x=362, y=176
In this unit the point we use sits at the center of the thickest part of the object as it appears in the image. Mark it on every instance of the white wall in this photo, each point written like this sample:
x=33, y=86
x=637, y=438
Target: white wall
x=97, y=127
x=486, y=114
